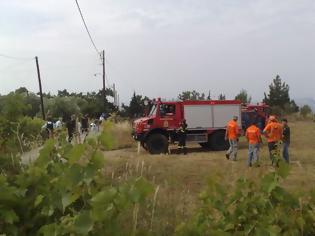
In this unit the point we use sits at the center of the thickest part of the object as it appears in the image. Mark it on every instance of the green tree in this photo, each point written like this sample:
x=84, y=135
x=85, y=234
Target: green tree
x=191, y=95
x=63, y=93
x=243, y=96
x=13, y=106
x=278, y=97
x=136, y=106
x=221, y=97
x=278, y=93
x=33, y=101
x=209, y=95
x=62, y=106
x=305, y=110
x=21, y=90
x=291, y=107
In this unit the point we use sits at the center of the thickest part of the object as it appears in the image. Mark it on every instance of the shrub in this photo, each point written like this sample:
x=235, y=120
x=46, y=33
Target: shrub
x=19, y=136
x=305, y=111
x=64, y=192
x=252, y=208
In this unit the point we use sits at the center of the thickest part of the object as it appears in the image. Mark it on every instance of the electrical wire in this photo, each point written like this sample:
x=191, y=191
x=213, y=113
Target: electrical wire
x=15, y=58
x=15, y=65
x=86, y=28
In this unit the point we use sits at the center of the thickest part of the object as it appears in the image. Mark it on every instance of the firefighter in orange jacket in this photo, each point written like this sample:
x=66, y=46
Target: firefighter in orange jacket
x=273, y=132
x=254, y=140
x=232, y=134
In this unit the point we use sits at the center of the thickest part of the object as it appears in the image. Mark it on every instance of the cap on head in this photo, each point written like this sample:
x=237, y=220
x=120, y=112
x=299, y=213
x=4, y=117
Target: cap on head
x=285, y=120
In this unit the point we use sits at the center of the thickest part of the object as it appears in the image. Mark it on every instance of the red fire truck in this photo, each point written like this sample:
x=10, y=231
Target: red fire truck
x=206, y=122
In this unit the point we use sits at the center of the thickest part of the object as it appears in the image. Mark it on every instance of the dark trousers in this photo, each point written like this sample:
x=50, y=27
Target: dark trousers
x=70, y=135
x=285, y=151
x=182, y=142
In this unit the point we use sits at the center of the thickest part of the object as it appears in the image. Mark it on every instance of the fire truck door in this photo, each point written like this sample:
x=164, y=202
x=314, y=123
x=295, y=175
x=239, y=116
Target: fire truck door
x=168, y=116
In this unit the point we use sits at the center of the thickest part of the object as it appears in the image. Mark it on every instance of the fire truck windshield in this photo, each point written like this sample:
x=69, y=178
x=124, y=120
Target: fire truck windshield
x=153, y=110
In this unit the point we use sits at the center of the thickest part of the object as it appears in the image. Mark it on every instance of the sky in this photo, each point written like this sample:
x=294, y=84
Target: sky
x=160, y=48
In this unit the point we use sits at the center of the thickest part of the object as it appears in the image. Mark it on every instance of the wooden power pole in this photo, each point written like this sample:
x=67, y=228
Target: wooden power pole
x=40, y=88
x=104, y=93
x=114, y=93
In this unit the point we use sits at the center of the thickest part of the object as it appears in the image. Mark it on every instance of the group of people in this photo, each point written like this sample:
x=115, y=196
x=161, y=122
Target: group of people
x=275, y=132
x=76, y=126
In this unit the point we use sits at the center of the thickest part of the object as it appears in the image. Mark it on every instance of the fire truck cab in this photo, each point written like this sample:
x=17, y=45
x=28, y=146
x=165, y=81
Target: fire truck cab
x=206, y=122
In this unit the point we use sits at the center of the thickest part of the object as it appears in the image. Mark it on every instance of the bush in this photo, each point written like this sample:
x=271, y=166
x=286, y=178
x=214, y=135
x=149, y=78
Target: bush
x=119, y=134
x=305, y=111
x=253, y=208
x=64, y=192
x=19, y=136
x=30, y=128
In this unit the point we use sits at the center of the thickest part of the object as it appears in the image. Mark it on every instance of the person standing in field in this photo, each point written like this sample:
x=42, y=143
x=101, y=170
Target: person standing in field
x=50, y=127
x=273, y=133
x=58, y=123
x=77, y=133
x=286, y=139
x=254, y=140
x=232, y=134
x=71, y=126
x=85, y=126
x=182, y=131
x=73, y=129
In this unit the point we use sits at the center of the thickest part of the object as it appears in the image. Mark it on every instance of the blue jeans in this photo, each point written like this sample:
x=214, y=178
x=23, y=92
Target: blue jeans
x=232, y=152
x=285, y=151
x=253, y=150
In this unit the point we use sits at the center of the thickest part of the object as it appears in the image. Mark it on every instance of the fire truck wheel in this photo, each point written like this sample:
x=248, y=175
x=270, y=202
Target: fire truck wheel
x=157, y=144
x=218, y=142
x=143, y=144
x=206, y=145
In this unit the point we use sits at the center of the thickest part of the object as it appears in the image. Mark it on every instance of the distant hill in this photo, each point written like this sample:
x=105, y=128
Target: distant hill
x=306, y=101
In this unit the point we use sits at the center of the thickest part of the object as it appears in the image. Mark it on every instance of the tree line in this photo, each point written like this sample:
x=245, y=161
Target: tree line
x=278, y=98
x=22, y=102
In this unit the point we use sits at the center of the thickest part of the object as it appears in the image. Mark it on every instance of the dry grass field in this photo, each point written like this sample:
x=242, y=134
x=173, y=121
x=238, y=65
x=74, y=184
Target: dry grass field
x=179, y=179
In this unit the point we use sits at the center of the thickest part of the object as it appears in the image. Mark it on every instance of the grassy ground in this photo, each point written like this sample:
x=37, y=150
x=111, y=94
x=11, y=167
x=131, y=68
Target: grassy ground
x=181, y=178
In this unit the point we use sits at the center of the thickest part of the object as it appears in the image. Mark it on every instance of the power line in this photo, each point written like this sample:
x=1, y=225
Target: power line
x=15, y=65
x=87, y=29
x=16, y=58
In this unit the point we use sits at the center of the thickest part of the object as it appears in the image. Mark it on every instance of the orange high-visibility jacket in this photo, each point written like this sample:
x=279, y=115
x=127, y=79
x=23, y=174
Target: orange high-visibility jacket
x=253, y=134
x=273, y=131
x=232, y=130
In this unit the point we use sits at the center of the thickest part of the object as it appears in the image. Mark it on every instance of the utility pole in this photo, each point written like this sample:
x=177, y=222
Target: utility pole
x=40, y=88
x=115, y=95
x=104, y=94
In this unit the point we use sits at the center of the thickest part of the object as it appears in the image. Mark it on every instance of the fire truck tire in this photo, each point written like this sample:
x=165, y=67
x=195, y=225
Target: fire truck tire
x=157, y=144
x=206, y=145
x=144, y=145
x=218, y=142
